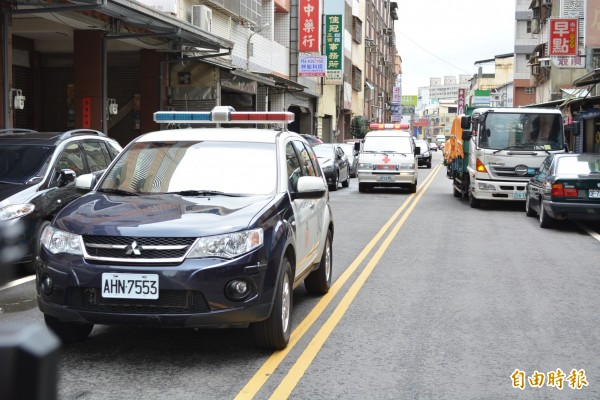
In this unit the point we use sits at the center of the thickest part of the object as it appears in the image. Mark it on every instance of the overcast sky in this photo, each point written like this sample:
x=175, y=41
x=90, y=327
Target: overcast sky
x=436, y=38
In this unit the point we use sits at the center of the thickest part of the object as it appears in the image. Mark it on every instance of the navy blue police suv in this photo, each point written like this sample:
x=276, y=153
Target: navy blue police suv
x=205, y=227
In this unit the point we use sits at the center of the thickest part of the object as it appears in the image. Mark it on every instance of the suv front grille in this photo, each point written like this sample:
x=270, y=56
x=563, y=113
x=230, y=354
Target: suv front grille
x=136, y=248
x=169, y=301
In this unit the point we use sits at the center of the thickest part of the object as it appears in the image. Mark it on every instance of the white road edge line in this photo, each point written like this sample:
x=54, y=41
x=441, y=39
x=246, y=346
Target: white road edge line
x=18, y=282
x=589, y=231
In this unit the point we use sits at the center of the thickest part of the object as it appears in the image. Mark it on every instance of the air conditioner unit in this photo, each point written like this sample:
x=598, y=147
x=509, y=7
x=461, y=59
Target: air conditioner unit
x=202, y=17
x=545, y=62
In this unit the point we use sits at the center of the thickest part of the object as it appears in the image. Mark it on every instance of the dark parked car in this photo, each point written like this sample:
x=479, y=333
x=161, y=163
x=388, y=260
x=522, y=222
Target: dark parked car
x=37, y=174
x=567, y=186
x=352, y=154
x=424, y=156
x=311, y=139
x=178, y=234
x=334, y=163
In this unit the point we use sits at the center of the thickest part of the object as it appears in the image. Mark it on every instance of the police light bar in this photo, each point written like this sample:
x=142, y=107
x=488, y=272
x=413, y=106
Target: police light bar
x=223, y=115
x=376, y=126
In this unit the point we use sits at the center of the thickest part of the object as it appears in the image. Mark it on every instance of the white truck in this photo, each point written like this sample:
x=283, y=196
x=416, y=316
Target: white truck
x=387, y=158
x=502, y=148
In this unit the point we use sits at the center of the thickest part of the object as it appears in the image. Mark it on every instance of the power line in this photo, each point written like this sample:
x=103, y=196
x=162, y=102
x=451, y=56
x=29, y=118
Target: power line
x=432, y=54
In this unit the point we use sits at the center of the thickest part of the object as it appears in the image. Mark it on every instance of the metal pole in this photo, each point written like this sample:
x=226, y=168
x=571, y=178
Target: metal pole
x=5, y=70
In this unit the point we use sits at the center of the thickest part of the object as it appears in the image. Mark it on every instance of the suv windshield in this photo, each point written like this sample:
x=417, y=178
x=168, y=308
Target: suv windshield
x=388, y=144
x=162, y=167
x=22, y=163
x=522, y=131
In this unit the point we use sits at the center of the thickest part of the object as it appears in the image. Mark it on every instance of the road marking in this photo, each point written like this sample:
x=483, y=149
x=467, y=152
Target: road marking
x=18, y=282
x=292, y=378
x=589, y=231
x=270, y=365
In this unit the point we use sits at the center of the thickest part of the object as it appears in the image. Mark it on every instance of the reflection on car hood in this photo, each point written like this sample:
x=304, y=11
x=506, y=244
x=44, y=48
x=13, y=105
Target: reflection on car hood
x=16, y=194
x=159, y=215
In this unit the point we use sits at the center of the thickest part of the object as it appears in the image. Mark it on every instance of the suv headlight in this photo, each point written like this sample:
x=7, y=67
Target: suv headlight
x=13, y=211
x=58, y=241
x=230, y=245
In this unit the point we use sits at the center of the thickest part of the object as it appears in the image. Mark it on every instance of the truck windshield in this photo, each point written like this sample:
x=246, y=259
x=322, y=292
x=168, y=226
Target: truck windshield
x=526, y=131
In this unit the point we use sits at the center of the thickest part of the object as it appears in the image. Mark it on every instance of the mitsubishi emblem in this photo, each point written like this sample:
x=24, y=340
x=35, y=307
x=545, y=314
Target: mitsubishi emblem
x=133, y=248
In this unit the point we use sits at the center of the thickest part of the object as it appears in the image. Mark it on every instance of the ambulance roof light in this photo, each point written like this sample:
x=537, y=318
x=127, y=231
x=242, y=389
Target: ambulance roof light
x=377, y=126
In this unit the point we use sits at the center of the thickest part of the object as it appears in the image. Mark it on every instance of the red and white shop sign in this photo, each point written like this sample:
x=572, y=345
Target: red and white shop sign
x=563, y=37
x=309, y=26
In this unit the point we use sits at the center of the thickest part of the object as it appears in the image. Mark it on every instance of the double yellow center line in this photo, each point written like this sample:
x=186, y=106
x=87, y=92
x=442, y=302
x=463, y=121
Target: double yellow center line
x=290, y=381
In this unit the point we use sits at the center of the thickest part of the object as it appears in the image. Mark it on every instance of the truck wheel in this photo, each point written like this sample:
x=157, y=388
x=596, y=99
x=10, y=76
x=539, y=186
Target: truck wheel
x=68, y=332
x=274, y=332
x=473, y=202
x=545, y=220
x=319, y=281
x=530, y=212
x=455, y=191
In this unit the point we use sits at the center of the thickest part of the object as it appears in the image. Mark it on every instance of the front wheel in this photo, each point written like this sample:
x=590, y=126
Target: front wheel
x=473, y=202
x=319, y=281
x=274, y=332
x=32, y=266
x=68, y=332
x=336, y=182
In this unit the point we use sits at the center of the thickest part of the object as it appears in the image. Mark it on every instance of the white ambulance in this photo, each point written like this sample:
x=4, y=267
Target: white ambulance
x=387, y=158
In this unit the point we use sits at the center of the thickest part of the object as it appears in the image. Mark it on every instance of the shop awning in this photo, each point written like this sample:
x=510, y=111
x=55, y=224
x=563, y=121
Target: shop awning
x=590, y=78
x=287, y=85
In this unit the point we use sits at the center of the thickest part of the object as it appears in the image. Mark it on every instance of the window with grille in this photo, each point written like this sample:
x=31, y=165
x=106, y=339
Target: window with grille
x=357, y=29
x=356, y=79
x=529, y=90
x=596, y=58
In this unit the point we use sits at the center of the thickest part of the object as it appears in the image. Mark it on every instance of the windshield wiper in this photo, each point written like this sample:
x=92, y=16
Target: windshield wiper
x=202, y=193
x=119, y=191
x=514, y=146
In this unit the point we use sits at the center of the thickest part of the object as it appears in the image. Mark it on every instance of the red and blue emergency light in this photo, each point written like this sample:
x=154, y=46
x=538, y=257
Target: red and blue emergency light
x=223, y=115
x=376, y=126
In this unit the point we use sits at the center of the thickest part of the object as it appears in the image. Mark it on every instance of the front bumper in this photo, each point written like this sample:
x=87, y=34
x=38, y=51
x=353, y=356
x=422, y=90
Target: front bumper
x=388, y=178
x=191, y=294
x=498, y=190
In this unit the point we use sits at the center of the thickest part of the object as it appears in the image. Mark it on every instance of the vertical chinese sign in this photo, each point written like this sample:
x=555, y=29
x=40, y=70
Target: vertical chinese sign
x=333, y=50
x=563, y=37
x=461, y=102
x=309, y=26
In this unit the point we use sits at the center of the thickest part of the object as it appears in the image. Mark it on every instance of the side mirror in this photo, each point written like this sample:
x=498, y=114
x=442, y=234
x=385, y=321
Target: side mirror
x=465, y=122
x=65, y=177
x=357, y=147
x=85, y=183
x=466, y=135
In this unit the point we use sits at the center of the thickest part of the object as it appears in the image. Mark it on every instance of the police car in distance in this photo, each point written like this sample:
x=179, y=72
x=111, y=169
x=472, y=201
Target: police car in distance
x=201, y=227
x=387, y=158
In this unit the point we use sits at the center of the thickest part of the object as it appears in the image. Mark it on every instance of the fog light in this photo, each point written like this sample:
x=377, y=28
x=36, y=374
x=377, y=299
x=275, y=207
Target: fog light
x=487, y=186
x=46, y=284
x=237, y=290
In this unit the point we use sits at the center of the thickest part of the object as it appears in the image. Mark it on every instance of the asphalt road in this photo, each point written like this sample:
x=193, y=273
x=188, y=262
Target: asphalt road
x=431, y=299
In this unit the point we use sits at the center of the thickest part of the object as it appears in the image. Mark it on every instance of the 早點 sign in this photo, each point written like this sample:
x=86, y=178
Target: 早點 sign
x=563, y=37
x=309, y=26
x=333, y=49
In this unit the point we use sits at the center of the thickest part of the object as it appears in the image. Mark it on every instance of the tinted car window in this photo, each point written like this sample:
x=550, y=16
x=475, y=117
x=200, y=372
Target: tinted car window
x=308, y=167
x=294, y=170
x=20, y=163
x=96, y=155
x=71, y=158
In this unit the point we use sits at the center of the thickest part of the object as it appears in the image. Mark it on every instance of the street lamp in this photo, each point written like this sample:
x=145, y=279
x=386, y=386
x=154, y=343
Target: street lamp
x=248, y=44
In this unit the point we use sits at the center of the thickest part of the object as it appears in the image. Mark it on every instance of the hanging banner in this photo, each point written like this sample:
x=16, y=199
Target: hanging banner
x=563, y=37
x=309, y=26
x=461, y=102
x=333, y=49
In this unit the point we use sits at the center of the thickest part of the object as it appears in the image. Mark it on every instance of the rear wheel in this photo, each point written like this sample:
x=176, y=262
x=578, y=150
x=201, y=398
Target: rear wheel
x=545, y=220
x=530, y=212
x=68, y=332
x=362, y=187
x=274, y=332
x=346, y=183
x=413, y=188
x=319, y=281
